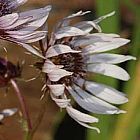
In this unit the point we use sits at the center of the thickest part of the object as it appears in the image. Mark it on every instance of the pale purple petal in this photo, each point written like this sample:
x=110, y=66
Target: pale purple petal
x=109, y=70
x=102, y=91
x=59, y=49
x=92, y=103
x=108, y=58
x=8, y=20
x=62, y=103
x=68, y=32
x=82, y=118
x=49, y=66
x=57, y=74
x=105, y=46
x=57, y=89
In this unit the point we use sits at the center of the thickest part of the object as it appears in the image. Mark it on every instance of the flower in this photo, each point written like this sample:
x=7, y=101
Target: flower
x=72, y=52
x=7, y=113
x=8, y=6
x=8, y=71
x=21, y=28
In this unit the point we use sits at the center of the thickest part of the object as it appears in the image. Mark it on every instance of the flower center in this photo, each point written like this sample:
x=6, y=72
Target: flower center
x=4, y=8
x=72, y=62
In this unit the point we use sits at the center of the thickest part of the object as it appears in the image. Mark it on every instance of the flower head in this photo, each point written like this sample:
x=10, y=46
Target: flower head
x=8, y=6
x=8, y=71
x=73, y=52
x=21, y=28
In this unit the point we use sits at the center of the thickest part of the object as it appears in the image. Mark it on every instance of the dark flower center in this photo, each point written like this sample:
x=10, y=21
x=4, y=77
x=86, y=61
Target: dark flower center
x=72, y=62
x=4, y=8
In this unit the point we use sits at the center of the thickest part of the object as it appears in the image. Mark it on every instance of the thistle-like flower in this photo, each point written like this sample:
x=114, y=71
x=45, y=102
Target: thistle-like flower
x=72, y=53
x=21, y=28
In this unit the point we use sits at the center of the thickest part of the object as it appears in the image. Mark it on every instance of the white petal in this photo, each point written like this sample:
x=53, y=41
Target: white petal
x=16, y=3
x=104, y=92
x=18, y=23
x=104, y=17
x=93, y=38
x=88, y=126
x=59, y=49
x=87, y=26
x=9, y=112
x=27, y=38
x=109, y=58
x=82, y=118
x=62, y=103
x=37, y=13
x=66, y=20
x=49, y=66
x=57, y=74
x=109, y=70
x=91, y=103
x=8, y=20
x=57, y=89
x=106, y=46
x=68, y=32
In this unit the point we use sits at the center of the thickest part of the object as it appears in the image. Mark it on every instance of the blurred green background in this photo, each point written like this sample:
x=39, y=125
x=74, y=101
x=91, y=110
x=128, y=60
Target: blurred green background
x=57, y=125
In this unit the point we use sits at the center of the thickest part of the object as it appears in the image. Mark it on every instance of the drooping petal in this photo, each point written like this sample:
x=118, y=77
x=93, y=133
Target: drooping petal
x=62, y=103
x=103, y=92
x=57, y=74
x=57, y=89
x=109, y=70
x=82, y=118
x=59, y=49
x=91, y=103
x=108, y=58
x=49, y=66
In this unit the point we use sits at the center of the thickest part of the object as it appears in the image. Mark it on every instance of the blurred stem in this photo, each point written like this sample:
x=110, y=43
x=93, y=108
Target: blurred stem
x=38, y=121
x=23, y=105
